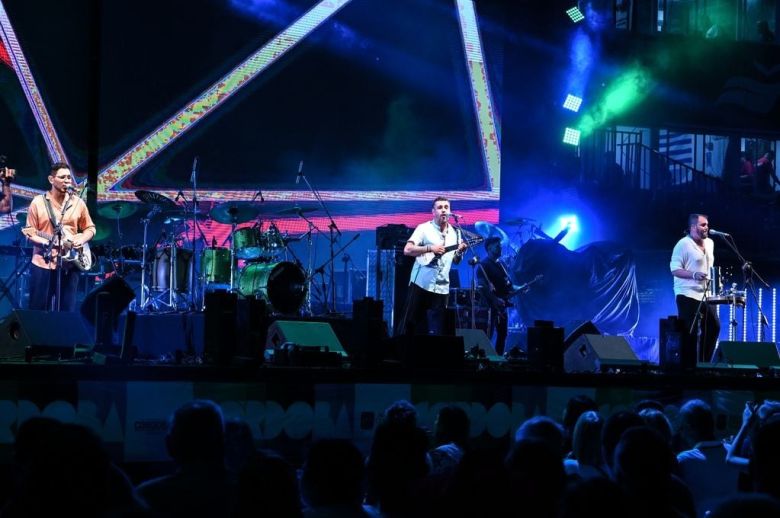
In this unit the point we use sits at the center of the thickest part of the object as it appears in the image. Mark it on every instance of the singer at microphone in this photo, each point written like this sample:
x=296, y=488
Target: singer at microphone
x=435, y=245
x=692, y=258
x=49, y=263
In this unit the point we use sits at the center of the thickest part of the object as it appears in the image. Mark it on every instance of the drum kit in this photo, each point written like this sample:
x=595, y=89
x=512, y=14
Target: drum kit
x=251, y=261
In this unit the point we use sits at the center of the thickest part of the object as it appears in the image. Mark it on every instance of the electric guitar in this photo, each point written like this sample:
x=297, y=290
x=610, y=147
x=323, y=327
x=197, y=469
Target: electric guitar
x=523, y=287
x=431, y=259
x=81, y=257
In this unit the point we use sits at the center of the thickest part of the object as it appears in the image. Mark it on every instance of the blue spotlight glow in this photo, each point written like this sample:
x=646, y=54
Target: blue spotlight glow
x=575, y=14
x=569, y=221
x=572, y=103
x=571, y=136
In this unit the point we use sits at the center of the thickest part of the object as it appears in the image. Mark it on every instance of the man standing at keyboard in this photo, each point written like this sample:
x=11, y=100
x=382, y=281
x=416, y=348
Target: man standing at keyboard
x=57, y=207
x=692, y=257
x=435, y=245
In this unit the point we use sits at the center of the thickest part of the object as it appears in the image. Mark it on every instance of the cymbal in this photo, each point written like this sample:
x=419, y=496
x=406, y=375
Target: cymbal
x=488, y=230
x=177, y=215
x=117, y=209
x=297, y=210
x=235, y=212
x=155, y=198
x=520, y=221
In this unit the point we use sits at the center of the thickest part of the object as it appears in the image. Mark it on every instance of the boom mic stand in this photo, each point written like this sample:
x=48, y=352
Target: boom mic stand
x=58, y=236
x=334, y=234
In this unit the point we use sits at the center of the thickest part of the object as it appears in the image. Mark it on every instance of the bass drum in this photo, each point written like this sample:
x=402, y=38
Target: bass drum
x=282, y=285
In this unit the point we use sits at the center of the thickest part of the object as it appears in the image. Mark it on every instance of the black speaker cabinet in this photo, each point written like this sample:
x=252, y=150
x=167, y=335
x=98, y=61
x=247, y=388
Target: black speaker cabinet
x=576, y=329
x=44, y=333
x=117, y=295
x=676, y=346
x=596, y=353
x=545, y=346
x=759, y=354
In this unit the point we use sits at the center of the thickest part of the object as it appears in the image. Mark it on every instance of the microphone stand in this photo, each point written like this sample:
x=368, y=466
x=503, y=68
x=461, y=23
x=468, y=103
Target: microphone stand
x=309, y=268
x=321, y=269
x=748, y=273
x=334, y=234
x=58, y=237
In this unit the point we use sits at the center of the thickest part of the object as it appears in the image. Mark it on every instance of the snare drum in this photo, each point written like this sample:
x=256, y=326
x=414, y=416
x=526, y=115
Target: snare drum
x=282, y=285
x=247, y=242
x=215, y=265
x=162, y=267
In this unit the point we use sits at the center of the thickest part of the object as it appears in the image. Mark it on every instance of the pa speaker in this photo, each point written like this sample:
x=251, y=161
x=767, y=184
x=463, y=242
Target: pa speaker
x=303, y=334
x=676, y=346
x=477, y=338
x=576, y=329
x=760, y=354
x=596, y=353
x=44, y=333
x=117, y=295
x=545, y=346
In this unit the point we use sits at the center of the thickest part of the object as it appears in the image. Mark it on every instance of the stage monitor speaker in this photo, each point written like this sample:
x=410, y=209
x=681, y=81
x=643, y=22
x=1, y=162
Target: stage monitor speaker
x=477, y=338
x=576, y=329
x=44, y=333
x=597, y=353
x=117, y=295
x=303, y=334
x=761, y=354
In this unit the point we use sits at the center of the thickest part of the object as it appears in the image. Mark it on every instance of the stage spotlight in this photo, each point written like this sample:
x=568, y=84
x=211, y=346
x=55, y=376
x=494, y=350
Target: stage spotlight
x=571, y=136
x=570, y=222
x=572, y=103
x=575, y=14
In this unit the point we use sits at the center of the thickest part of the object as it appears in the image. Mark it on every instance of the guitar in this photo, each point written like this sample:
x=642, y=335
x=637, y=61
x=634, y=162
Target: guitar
x=81, y=257
x=524, y=287
x=431, y=259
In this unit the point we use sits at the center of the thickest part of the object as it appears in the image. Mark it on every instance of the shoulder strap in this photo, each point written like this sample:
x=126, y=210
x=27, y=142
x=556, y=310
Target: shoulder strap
x=50, y=211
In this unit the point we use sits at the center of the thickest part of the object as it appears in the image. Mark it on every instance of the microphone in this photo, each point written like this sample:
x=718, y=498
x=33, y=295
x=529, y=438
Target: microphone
x=300, y=173
x=194, y=169
x=713, y=232
x=456, y=216
x=71, y=189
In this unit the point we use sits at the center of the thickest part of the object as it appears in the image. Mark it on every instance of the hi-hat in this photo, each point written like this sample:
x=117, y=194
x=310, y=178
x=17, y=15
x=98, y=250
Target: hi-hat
x=297, y=210
x=488, y=230
x=235, y=212
x=180, y=214
x=155, y=198
x=117, y=209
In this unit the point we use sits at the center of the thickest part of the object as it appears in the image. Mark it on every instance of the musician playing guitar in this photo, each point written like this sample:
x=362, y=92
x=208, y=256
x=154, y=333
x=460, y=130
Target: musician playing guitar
x=6, y=177
x=435, y=245
x=59, y=206
x=496, y=288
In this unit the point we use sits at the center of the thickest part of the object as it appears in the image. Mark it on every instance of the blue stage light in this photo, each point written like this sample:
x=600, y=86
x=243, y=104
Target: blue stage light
x=572, y=103
x=571, y=136
x=575, y=14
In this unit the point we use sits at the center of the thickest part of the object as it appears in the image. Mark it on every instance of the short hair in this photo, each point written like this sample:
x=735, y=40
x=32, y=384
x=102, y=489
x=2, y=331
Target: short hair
x=56, y=166
x=698, y=417
x=197, y=432
x=440, y=198
x=491, y=241
x=693, y=219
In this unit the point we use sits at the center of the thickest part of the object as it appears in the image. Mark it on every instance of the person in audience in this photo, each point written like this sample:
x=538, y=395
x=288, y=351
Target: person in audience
x=614, y=426
x=766, y=459
x=200, y=485
x=586, y=446
x=747, y=505
x=644, y=467
x=595, y=496
x=703, y=466
x=332, y=483
x=575, y=407
x=480, y=472
x=536, y=477
x=451, y=435
x=658, y=422
x=267, y=486
x=239, y=445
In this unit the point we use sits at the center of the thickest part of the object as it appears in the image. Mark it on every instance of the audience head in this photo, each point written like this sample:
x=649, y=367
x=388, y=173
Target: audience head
x=542, y=428
x=401, y=412
x=766, y=459
x=452, y=426
x=614, y=426
x=333, y=475
x=649, y=403
x=197, y=434
x=696, y=423
x=744, y=505
x=586, y=442
x=644, y=462
x=536, y=476
x=267, y=486
x=658, y=422
x=575, y=407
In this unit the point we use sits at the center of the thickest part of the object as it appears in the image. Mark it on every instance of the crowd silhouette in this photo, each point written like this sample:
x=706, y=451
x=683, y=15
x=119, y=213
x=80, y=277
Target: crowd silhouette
x=635, y=462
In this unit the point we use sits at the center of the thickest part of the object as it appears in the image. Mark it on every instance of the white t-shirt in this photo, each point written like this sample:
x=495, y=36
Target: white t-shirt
x=688, y=256
x=434, y=277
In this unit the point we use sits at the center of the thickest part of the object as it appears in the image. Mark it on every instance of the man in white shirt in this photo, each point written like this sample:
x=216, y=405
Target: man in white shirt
x=692, y=257
x=435, y=245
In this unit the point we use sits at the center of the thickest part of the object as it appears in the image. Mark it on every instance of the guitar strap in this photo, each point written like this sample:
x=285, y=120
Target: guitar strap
x=50, y=211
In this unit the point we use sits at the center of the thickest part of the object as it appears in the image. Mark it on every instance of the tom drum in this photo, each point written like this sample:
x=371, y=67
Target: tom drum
x=282, y=285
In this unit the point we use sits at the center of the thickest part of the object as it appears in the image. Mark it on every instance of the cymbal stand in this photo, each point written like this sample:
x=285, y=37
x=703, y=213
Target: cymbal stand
x=309, y=268
x=145, y=299
x=190, y=206
x=321, y=269
x=334, y=235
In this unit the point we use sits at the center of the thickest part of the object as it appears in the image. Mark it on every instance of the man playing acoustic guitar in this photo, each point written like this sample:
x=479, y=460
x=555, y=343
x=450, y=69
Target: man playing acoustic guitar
x=435, y=245
x=58, y=207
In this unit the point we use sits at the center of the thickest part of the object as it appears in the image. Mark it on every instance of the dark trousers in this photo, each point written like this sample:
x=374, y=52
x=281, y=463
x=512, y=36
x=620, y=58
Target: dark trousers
x=500, y=325
x=418, y=302
x=708, y=325
x=43, y=288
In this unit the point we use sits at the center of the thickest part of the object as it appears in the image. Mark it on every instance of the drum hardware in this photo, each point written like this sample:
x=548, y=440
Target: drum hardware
x=321, y=268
